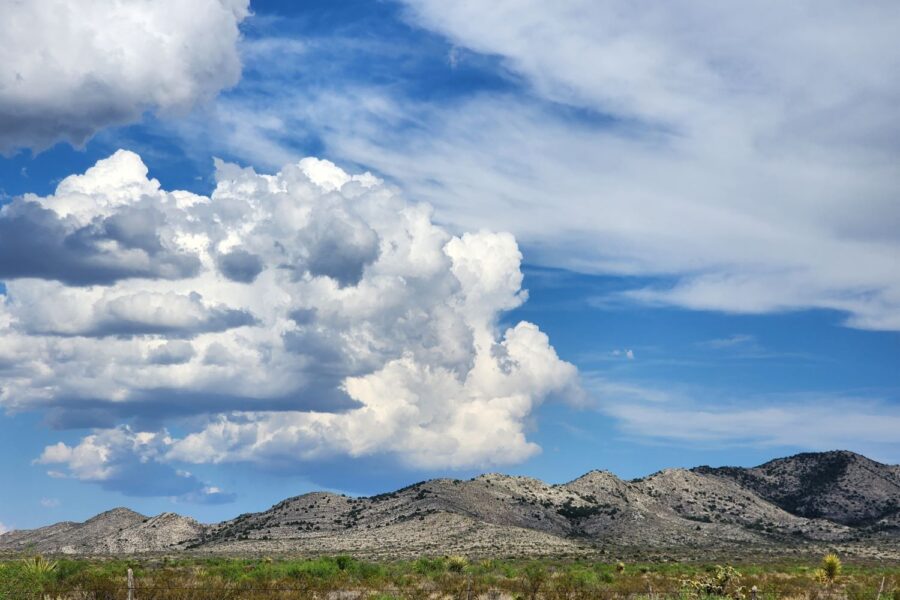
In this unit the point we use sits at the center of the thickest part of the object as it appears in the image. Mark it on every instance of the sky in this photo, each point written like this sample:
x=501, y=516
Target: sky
x=254, y=249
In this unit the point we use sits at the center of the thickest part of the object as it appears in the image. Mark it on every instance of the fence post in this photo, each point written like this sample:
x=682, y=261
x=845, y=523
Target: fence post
x=130, y=584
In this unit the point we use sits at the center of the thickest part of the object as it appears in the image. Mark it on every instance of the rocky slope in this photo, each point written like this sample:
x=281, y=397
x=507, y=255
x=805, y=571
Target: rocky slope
x=117, y=531
x=840, y=486
x=837, y=499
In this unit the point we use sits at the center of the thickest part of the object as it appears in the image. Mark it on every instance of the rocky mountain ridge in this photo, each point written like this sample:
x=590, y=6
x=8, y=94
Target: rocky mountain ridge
x=808, y=500
x=839, y=486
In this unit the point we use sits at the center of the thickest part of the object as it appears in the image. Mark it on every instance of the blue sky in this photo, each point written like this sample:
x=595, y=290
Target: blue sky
x=708, y=241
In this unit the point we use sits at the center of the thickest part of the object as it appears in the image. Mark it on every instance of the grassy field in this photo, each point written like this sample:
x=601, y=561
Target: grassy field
x=345, y=578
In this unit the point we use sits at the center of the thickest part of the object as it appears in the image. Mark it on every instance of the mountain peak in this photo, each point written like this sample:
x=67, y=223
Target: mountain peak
x=596, y=475
x=118, y=512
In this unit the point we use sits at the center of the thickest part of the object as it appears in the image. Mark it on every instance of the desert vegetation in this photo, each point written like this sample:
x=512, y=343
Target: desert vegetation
x=454, y=577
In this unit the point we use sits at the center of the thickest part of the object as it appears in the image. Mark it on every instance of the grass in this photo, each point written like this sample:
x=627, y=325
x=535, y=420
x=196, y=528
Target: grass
x=186, y=578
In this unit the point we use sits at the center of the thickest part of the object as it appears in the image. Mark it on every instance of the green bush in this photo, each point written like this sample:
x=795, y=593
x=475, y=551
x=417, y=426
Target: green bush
x=343, y=562
x=321, y=568
x=429, y=566
x=17, y=582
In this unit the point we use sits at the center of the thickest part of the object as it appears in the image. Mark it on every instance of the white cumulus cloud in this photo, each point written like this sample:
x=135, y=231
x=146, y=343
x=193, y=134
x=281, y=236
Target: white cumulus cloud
x=350, y=326
x=71, y=68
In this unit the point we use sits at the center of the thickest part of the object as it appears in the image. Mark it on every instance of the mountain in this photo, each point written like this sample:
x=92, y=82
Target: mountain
x=803, y=503
x=840, y=486
x=117, y=531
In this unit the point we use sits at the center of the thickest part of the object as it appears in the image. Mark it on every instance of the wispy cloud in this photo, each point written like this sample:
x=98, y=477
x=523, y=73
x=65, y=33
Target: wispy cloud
x=707, y=417
x=742, y=346
x=682, y=151
x=737, y=340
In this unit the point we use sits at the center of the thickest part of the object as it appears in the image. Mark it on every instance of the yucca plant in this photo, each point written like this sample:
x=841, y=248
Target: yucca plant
x=457, y=564
x=831, y=567
x=38, y=565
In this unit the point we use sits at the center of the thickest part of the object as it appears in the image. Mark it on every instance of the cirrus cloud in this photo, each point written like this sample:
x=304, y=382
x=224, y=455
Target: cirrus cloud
x=744, y=157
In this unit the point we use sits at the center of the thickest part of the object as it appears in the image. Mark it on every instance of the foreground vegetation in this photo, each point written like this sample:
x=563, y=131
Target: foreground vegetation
x=431, y=578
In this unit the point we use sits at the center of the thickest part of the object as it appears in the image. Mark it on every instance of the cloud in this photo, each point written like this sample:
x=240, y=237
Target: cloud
x=72, y=68
x=93, y=313
x=818, y=425
x=4, y=529
x=358, y=328
x=172, y=353
x=738, y=340
x=808, y=421
x=240, y=265
x=98, y=228
x=129, y=462
x=428, y=418
x=50, y=502
x=710, y=148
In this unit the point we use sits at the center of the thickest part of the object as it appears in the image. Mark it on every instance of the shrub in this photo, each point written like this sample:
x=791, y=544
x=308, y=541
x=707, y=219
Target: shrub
x=572, y=584
x=723, y=582
x=17, y=582
x=535, y=575
x=429, y=566
x=319, y=568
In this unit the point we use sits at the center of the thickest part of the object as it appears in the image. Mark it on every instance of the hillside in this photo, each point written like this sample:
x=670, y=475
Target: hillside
x=806, y=501
x=840, y=486
x=117, y=531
